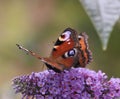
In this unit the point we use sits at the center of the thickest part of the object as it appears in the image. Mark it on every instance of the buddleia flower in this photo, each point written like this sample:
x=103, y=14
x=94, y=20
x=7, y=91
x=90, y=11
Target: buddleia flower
x=76, y=83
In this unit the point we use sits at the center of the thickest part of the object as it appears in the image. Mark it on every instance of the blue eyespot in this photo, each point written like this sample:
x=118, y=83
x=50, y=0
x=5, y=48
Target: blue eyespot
x=70, y=53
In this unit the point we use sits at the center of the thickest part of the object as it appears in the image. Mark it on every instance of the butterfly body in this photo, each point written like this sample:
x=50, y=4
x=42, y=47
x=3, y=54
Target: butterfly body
x=70, y=50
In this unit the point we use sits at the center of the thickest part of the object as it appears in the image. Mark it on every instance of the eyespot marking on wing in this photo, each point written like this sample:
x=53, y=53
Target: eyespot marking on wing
x=70, y=53
x=65, y=36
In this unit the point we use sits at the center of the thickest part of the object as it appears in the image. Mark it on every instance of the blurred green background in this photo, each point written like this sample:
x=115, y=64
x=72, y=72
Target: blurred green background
x=36, y=24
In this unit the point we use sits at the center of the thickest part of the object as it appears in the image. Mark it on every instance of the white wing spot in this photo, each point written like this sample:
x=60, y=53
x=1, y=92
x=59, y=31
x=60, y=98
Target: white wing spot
x=69, y=43
x=79, y=37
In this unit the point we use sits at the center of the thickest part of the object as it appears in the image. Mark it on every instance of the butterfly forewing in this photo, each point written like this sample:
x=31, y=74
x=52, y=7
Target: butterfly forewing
x=64, y=43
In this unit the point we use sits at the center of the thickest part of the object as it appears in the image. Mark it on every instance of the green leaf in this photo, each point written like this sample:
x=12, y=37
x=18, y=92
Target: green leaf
x=103, y=14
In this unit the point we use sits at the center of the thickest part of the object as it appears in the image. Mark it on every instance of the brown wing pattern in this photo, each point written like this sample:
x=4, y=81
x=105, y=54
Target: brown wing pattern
x=85, y=55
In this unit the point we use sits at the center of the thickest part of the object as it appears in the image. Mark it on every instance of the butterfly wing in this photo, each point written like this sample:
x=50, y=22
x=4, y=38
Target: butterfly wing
x=63, y=50
x=47, y=61
x=85, y=55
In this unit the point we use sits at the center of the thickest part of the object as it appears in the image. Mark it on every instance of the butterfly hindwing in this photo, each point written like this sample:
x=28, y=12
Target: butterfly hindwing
x=85, y=55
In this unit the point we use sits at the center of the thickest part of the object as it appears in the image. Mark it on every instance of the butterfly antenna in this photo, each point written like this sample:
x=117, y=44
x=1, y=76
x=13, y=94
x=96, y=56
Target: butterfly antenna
x=28, y=51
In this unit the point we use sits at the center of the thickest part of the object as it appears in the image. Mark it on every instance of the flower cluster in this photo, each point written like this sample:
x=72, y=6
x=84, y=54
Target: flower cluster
x=77, y=83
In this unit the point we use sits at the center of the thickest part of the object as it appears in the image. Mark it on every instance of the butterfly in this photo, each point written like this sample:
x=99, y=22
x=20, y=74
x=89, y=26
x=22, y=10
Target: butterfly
x=70, y=50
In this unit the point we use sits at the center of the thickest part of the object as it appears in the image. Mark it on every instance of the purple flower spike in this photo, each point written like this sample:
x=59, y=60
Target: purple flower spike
x=77, y=83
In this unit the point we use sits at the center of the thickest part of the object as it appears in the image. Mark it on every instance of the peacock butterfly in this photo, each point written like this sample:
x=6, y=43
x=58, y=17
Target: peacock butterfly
x=70, y=50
